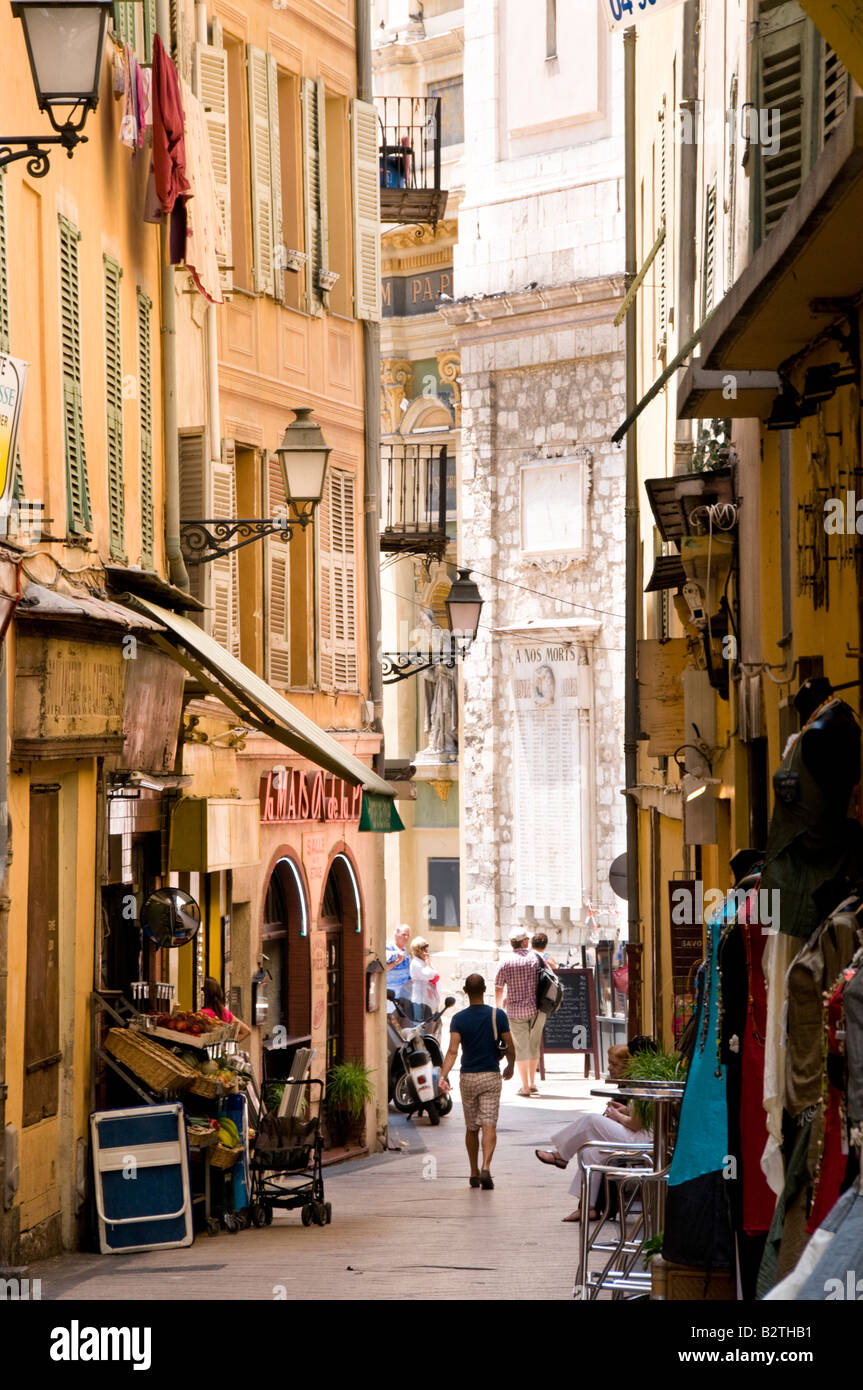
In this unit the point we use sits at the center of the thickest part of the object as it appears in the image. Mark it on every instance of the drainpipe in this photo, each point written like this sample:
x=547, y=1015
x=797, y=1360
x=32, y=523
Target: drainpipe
x=372, y=395
x=173, y=553
x=633, y=539
x=210, y=328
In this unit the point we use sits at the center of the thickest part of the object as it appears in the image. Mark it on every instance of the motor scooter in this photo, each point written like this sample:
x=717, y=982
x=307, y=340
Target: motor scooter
x=415, y=1060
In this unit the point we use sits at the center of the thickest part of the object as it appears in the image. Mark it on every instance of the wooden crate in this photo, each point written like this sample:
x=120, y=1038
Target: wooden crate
x=683, y=1283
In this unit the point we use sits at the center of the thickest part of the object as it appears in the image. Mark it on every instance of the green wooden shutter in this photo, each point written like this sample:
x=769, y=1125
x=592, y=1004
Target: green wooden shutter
x=145, y=421
x=366, y=209
x=78, y=492
x=114, y=407
x=193, y=502
x=785, y=69
x=124, y=21
x=708, y=253
x=836, y=91
x=314, y=188
x=149, y=29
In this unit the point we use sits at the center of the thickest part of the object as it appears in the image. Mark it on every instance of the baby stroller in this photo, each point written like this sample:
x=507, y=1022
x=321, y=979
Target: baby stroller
x=286, y=1161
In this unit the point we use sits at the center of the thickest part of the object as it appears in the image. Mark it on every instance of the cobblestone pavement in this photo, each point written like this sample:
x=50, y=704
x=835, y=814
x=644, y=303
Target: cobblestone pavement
x=405, y=1225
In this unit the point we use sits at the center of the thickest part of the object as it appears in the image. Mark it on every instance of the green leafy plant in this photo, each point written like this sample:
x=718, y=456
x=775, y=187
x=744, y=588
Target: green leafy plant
x=652, y=1246
x=653, y=1066
x=349, y=1088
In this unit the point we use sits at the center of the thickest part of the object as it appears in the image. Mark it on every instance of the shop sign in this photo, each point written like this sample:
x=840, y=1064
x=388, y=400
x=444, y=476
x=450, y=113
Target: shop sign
x=293, y=795
x=405, y=295
x=13, y=373
x=315, y=855
x=620, y=14
x=67, y=692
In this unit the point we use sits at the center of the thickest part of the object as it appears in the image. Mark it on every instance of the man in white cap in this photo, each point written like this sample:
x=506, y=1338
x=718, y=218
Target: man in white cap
x=516, y=982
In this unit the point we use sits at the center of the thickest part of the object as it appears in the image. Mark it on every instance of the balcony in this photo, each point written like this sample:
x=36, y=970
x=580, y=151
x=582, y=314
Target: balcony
x=409, y=159
x=417, y=497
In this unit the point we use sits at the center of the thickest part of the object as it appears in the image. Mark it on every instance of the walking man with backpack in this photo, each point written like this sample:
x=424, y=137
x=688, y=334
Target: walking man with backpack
x=516, y=983
x=482, y=1033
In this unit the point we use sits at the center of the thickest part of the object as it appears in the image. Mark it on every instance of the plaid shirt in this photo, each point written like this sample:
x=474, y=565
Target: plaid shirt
x=519, y=973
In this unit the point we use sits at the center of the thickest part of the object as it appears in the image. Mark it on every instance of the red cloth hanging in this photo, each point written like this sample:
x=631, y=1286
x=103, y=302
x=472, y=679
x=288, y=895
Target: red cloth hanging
x=169, y=146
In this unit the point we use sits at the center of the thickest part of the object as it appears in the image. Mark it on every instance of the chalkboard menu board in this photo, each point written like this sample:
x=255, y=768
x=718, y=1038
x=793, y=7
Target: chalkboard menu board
x=573, y=1027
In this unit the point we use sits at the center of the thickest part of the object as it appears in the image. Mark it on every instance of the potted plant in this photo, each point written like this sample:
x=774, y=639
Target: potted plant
x=349, y=1089
x=653, y=1066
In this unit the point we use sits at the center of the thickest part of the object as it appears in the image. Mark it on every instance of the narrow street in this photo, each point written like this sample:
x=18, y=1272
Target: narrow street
x=405, y=1226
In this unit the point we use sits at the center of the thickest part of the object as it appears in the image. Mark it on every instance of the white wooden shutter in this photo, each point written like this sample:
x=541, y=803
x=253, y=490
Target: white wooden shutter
x=193, y=499
x=210, y=86
x=225, y=571
x=278, y=582
x=366, y=210
x=278, y=241
x=337, y=567
x=261, y=169
x=314, y=188
x=660, y=220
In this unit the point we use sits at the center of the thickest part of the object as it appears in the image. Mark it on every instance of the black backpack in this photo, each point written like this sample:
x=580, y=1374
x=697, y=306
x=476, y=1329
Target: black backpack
x=549, y=990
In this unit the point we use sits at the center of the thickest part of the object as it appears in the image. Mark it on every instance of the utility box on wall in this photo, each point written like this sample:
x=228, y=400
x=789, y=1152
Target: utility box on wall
x=213, y=833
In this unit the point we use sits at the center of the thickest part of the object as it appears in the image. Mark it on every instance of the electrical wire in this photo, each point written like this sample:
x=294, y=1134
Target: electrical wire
x=552, y=598
x=483, y=627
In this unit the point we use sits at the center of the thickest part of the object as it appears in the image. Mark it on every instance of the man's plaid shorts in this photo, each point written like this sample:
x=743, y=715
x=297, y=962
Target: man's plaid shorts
x=480, y=1097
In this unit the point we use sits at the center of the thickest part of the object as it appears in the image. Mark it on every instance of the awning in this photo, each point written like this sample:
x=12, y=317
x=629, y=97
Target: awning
x=797, y=284
x=668, y=573
x=673, y=500
x=51, y=605
x=252, y=700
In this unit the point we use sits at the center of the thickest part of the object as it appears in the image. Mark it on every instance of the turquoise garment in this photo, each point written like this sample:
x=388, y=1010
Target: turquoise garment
x=702, y=1136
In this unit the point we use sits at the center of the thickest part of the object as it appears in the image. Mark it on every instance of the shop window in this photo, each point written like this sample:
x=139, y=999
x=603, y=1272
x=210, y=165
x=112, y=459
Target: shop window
x=338, y=185
x=443, y=892
x=238, y=150
x=290, y=154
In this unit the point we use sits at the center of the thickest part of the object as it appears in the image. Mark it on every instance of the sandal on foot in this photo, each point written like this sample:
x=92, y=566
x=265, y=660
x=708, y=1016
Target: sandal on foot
x=526, y=1094
x=576, y=1215
x=485, y=1179
x=474, y=1182
x=550, y=1156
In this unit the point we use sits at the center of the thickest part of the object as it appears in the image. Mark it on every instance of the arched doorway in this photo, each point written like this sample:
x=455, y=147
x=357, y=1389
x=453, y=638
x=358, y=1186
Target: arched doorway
x=341, y=919
x=285, y=943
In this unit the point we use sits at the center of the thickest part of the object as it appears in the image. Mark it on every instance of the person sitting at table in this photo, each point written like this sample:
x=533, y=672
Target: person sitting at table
x=617, y=1125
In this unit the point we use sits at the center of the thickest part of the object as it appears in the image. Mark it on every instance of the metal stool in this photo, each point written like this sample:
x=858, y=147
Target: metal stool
x=631, y=1175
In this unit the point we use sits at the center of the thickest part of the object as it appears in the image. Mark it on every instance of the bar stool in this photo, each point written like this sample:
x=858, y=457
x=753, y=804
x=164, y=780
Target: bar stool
x=630, y=1172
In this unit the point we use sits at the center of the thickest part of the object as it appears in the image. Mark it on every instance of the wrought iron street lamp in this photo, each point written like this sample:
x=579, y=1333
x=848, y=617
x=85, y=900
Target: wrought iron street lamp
x=303, y=455
x=464, y=606
x=64, y=44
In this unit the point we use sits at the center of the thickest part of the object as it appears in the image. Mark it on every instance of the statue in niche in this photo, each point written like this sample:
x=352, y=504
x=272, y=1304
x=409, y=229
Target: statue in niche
x=440, y=714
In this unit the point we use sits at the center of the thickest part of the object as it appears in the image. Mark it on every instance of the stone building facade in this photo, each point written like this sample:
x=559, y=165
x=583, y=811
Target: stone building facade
x=539, y=280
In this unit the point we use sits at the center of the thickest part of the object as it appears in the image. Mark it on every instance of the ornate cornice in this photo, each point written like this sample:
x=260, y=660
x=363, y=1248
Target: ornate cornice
x=419, y=234
x=397, y=374
x=485, y=316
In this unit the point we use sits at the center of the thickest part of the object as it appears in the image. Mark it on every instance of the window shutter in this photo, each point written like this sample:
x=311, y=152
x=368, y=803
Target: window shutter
x=366, y=192
x=262, y=172
x=275, y=179
x=114, y=407
x=278, y=582
x=836, y=89
x=338, y=583
x=193, y=502
x=78, y=493
x=732, y=179
x=785, y=85
x=210, y=86
x=708, y=274
x=4, y=270
x=179, y=40
x=314, y=188
x=124, y=21
x=149, y=29
x=225, y=571
x=145, y=422
x=661, y=220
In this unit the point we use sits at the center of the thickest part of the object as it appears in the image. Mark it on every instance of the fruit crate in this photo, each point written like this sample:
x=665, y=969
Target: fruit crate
x=225, y=1032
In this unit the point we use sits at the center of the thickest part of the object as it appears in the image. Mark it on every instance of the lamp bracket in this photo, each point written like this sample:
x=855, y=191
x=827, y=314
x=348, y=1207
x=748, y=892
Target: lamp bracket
x=37, y=158
x=210, y=539
x=398, y=666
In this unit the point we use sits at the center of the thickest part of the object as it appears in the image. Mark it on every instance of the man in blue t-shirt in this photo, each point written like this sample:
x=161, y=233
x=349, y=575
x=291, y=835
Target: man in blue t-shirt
x=480, y=1080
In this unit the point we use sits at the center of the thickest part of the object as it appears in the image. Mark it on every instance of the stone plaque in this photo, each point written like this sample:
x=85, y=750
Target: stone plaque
x=550, y=687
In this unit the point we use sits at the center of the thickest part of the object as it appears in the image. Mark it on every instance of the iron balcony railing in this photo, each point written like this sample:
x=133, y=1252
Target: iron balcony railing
x=409, y=159
x=417, y=496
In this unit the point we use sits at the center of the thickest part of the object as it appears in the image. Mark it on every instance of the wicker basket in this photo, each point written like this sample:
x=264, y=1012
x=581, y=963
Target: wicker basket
x=221, y=1157
x=210, y=1087
x=160, y=1069
x=674, y=1283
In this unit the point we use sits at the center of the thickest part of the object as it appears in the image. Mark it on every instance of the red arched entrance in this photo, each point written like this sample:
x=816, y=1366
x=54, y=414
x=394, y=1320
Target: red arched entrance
x=341, y=919
x=285, y=939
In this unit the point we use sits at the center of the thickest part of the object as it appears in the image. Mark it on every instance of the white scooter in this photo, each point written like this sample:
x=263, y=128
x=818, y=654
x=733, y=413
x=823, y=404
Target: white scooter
x=415, y=1059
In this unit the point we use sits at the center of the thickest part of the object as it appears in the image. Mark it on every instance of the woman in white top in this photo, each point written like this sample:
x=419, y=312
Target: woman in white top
x=424, y=978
